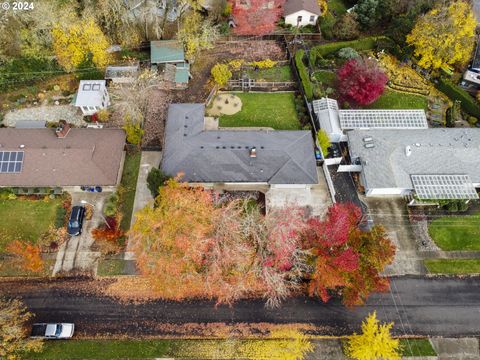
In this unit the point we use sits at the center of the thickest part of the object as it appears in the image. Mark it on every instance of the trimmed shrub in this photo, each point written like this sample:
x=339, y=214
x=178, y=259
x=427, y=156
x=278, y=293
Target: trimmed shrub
x=327, y=24
x=111, y=205
x=367, y=43
x=303, y=73
x=468, y=104
x=155, y=179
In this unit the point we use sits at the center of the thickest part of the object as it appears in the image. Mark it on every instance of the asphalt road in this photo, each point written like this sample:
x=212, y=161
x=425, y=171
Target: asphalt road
x=417, y=306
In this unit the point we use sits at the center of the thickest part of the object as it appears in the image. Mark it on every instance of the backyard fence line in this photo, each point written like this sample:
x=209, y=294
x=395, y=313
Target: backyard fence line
x=276, y=36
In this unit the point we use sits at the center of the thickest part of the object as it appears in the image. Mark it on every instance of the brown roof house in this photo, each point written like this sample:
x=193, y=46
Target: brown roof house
x=63, y=157
x=301, y=12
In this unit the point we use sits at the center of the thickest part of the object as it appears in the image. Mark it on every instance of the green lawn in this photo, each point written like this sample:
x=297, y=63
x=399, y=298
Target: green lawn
x=392, y=99
x=129, y=185
x=26, y=219
x=276, y=73
x=453, y=266
x=417, y=347
x=275, y=110
x=456, y=232
x=111, y=267
x=325, y=77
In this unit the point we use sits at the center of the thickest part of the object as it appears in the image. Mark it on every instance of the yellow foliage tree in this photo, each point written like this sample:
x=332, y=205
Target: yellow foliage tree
x=78, y=42
x=444, y=36
x=375, y=342
x=14, y=340
x=221, y=74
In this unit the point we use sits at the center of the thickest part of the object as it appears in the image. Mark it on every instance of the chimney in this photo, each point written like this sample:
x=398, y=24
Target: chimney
x=253, y=152
x=62, y=129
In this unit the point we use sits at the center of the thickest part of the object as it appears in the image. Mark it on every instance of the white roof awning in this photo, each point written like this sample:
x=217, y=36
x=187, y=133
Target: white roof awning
x=444, y=187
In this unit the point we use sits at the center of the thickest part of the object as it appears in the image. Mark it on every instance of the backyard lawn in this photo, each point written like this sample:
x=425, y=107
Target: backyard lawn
x=453, y=266
x=456, y=232
x=129, y=185
x=26, y=219
x=275, y=110
x=276, y=73
x=392, y=99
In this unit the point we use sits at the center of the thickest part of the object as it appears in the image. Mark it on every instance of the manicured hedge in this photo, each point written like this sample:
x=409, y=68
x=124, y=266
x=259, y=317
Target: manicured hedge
x=468, y=104
x=359, y=44
x=303, y=72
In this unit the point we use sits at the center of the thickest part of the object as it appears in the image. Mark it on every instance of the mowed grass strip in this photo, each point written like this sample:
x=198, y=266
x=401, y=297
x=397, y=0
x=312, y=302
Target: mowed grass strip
x=392, y=99
x=456, y=232
x=275, y=74
x=26, y=220
x=453, y=266
x=129, y=185
x=417, y=347
x=275, y=110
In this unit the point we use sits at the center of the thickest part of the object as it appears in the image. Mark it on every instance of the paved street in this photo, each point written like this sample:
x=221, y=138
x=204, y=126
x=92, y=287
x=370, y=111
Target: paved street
x=418, y=306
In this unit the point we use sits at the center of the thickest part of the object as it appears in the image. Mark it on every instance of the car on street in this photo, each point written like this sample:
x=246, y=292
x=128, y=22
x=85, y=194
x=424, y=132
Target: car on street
x=52, y=331
x=75, y=222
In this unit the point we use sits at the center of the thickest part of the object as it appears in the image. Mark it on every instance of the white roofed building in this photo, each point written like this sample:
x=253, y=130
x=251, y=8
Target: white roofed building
x=92, y=96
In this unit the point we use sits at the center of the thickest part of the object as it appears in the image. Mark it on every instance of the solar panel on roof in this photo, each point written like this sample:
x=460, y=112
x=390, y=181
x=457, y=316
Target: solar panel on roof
x=382, y=119
x=11, y=161
x=443, y=187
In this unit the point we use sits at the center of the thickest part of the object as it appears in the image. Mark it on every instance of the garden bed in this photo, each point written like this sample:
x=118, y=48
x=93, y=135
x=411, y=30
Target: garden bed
x=274, y=110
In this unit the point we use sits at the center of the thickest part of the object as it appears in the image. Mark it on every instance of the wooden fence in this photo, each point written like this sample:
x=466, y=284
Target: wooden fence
x=251, y=84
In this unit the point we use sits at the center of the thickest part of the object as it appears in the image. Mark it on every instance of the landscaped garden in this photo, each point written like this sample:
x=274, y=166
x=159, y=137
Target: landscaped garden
x=456, y=232
x=274, y=110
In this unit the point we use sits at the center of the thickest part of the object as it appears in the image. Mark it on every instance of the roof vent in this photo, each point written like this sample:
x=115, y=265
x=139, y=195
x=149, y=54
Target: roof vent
x=408, y=150
x=417, y=144
x=369, y=145
x=367, y=139
x=22, y=146
x=253, y=152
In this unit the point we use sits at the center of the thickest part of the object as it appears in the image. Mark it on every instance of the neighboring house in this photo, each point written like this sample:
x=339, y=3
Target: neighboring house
x=235, y=158
x=92, y=96
x=168, y=57
x=301, y=12
x=64, y=157
x=336, y=122
x=432, y=163
x=122, y=74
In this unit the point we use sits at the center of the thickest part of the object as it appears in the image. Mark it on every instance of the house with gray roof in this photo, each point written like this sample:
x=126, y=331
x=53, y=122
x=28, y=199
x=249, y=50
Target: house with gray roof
x=301, y=12
x=235, y=157
x=431, y=163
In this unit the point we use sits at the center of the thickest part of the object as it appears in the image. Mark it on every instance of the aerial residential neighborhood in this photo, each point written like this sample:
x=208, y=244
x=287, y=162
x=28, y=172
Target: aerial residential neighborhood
x=240, y=179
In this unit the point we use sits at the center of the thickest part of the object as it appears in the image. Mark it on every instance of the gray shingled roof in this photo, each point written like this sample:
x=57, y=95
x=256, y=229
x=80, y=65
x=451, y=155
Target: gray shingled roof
x=283, y=157
x=433, y=151
x=293, y=6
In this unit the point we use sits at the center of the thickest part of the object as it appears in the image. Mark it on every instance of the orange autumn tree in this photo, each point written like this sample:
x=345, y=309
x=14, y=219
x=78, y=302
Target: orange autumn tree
x=192, y=245
x=28, y=256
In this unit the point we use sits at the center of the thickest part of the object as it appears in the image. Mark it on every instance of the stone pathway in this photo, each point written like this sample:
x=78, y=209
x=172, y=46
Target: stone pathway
x=45, y=113
x=75, y=255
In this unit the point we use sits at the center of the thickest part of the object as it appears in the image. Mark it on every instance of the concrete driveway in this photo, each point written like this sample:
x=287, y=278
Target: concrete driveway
x=392, y=214
x=75, y=254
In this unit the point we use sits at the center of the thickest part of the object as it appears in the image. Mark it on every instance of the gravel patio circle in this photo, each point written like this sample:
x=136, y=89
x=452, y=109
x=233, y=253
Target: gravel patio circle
x=225, y=104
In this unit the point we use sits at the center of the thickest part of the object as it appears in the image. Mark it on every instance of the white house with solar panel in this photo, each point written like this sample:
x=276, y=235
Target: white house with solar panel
x=336, y=122
x=433, y=164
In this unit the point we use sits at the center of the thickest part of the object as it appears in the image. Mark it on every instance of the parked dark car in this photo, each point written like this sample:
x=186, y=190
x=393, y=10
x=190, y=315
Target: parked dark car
x=75, y=222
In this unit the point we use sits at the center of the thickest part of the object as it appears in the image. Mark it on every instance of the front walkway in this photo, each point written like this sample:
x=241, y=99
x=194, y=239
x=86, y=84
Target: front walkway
x=51, y=113
x=143, y=196
x=75, y=255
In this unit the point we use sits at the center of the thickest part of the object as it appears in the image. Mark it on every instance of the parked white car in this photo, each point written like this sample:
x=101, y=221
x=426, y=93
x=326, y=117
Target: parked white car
x=52, y=331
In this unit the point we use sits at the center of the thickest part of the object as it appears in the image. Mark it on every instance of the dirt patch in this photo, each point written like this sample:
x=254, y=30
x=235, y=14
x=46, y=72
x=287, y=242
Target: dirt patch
x=225, y=104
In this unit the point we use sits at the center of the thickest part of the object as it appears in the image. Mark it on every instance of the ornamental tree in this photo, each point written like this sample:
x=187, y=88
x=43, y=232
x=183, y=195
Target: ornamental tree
x=444, y=36
x=221, y=74
x=361, y=81
x=256, y=17
x=27, y=256
x=14, y=339
x=375, y=341
x=346, y=260
x=78, y=43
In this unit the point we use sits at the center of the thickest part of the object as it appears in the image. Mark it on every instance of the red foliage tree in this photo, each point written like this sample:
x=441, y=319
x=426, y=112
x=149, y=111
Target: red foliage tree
x=256, y=17
x=345, y=258
x=361, y=81
x=28, y=256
